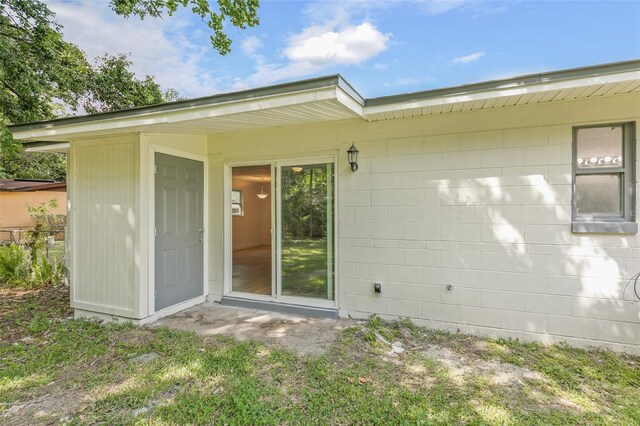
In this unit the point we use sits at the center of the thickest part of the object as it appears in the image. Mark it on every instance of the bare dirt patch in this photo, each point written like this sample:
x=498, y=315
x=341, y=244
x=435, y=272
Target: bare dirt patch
x=20, y=306
x=460, y=367
x=312, y=336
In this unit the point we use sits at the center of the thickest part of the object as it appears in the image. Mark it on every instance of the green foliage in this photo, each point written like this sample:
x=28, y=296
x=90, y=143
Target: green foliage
x=28, y=266
x=37, y=237
x=36, y=64
x=304, y=202
x=36, y=67
x=15, y=266
x=44, y=77
x=19, y=269
x=43, y=218
x=46, y=272
x=112, y=86
x=240, y=13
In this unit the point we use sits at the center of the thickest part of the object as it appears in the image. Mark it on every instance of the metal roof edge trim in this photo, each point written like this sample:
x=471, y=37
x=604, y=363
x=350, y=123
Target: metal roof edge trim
x=338, y=81
x=523, y=80
x=273, y=90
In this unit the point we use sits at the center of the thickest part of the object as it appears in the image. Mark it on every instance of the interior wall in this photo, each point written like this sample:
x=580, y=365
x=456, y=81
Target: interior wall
x=252, y=229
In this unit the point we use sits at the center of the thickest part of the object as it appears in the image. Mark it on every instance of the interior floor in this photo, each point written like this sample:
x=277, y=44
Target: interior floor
x=252, y=270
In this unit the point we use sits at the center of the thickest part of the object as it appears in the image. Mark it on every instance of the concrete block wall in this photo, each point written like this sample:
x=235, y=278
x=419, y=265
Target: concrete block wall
x=478, y=200
x=489, y=214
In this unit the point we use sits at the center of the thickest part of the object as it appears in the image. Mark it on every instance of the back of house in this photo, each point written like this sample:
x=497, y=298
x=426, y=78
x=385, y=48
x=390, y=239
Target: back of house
x=506, y=208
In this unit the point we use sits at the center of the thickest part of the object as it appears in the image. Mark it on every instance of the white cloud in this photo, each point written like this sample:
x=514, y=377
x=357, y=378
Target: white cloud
x=158, y=47
x=350, y=46
x=319, y=47
x=250, y=45
x=468, y=58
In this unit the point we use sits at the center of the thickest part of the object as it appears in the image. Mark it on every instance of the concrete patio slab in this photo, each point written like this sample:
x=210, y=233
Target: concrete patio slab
x=312, y=336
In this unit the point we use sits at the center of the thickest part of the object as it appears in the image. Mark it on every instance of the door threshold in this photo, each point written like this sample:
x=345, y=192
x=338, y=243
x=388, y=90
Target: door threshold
x=285, y=308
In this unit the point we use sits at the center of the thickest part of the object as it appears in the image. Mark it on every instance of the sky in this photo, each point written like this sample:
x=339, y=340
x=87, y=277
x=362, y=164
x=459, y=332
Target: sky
x=380, y=47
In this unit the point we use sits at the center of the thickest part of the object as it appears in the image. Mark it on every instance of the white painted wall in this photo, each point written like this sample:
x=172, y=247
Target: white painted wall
x=253, y=228
x=480, y=200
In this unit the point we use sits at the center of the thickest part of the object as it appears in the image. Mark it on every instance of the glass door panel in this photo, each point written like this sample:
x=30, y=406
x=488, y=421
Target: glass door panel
x=306, y=231
x=251, y=209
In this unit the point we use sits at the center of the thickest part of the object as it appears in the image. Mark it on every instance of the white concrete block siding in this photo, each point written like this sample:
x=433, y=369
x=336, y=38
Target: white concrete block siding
x=488, y=212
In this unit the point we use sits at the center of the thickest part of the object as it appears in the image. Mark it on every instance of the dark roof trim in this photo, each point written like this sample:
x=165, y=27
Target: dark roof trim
x=27, y=185
x=545, y=77
x=277, y=89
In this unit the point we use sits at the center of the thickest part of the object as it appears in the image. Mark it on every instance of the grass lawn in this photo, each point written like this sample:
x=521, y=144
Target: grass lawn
x=304, y=268
x=53, y=368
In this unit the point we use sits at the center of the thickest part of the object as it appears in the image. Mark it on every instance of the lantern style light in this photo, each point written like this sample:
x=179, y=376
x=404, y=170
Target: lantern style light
x=352, y=155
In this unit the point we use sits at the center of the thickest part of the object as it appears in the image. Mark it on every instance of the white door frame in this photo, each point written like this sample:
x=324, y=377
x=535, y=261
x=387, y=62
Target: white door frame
x=276, y=237
x=153, y=149
x=228, y=229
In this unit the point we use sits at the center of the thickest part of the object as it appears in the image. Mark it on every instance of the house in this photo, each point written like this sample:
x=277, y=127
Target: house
x=505, y=208
x=17, y=194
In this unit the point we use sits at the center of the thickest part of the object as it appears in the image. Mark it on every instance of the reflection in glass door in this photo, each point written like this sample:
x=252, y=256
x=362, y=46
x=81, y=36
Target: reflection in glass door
x=306, y=217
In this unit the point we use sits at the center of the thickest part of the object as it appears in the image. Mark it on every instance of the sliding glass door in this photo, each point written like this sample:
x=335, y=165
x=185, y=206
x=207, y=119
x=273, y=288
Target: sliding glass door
x=306, y=224
x=300, y=239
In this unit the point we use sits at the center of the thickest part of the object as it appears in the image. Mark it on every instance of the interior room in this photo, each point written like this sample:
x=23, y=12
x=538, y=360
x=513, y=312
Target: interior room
x=251, y=229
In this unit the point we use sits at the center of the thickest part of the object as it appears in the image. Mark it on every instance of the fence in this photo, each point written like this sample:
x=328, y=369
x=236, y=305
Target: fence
x=24, y=237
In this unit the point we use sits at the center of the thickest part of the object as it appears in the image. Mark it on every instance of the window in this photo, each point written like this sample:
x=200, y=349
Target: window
x=236, y=203
x=603, y=179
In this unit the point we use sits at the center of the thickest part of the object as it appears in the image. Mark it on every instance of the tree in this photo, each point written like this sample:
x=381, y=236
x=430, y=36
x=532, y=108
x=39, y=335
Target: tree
x=36, y=67
x=44, y=77
x=111, y=86
x=241, y=13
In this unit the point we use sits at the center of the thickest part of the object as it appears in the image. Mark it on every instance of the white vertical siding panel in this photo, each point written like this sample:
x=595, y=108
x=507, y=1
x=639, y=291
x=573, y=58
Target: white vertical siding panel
x=104, y=225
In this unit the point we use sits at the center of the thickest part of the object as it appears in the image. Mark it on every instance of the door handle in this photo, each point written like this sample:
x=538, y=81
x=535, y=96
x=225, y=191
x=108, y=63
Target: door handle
x=201, y=240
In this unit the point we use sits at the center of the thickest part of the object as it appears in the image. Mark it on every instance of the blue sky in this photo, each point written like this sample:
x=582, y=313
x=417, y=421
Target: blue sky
x=381, y=47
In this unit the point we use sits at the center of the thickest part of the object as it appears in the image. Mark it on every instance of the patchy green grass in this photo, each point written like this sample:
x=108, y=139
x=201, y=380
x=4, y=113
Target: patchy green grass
x=304, y=268
x=81, y=372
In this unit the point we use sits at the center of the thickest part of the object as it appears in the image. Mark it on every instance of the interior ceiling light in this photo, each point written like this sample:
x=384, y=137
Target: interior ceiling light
x=262, y=195
x=297, y=169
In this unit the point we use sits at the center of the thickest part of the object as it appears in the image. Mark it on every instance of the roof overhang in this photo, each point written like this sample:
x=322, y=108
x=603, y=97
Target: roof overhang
x=321, y=99
x=330, y=99
x=578, y=83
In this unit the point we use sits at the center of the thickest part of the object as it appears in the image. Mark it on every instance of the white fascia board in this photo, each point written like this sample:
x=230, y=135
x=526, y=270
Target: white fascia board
x=512, y=89
x=62, y=148
x=165, y=117
x=347, y=100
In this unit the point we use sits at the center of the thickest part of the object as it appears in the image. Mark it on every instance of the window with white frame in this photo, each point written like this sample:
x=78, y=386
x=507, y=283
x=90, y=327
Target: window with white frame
x=237, y=208
x=603, y=178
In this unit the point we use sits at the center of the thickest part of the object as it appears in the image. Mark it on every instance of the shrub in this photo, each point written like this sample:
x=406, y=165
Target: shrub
x=14, y=266
x=47, y=271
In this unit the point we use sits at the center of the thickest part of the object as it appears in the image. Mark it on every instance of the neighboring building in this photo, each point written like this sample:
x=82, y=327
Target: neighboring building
x=505, y=208
x=17, y=194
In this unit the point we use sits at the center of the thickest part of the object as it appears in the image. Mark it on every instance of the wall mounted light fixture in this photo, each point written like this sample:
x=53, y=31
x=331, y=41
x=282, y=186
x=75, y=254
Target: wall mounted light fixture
x=352, y=155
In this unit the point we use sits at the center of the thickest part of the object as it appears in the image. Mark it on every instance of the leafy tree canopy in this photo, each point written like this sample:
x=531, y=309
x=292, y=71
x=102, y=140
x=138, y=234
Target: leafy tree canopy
x=241, y=14
x=111, y=86
x=44, y=77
